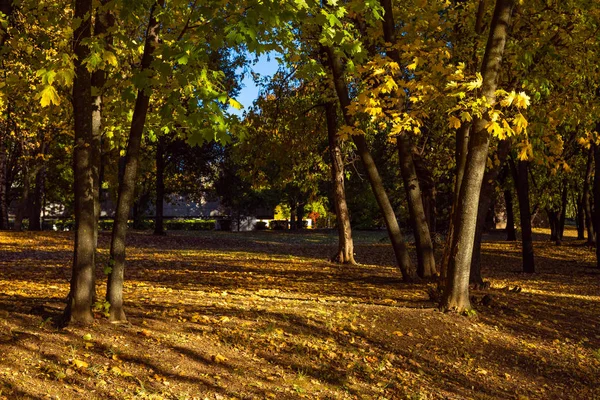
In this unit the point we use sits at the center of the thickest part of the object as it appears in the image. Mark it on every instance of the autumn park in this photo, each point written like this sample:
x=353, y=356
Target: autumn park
x=285, y=199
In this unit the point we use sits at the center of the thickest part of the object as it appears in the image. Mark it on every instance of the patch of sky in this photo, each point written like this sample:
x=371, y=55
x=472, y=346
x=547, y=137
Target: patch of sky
x=263, y=67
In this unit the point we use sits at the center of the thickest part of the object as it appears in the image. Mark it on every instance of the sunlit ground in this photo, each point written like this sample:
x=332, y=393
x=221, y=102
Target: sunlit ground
x=264, y=315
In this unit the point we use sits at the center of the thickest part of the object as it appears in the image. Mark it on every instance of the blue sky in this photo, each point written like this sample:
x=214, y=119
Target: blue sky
x=265, y=66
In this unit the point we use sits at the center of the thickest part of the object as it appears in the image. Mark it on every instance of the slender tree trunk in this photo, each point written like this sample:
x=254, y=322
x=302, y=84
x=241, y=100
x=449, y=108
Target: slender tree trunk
x=293, y=209
x=511, y=233
x=114, y=293
x=35, y=211
x=3, y=179
x=345, y=253
x=553, y=223
x=394, y=232
x=587, y=201
x=456, y=295
x=82, y=280
x=521, y=176
x=160, y=187
x=580, y=218
x=425, y=255
x=597, y=197
x=22, y=208
x=563, y=211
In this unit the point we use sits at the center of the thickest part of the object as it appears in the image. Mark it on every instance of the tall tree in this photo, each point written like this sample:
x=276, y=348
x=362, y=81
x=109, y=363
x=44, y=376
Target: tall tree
x=394, y=232
x=114, y=292
x=456, y=294
x=425, y=255
x=79, y=302
x=345, y=253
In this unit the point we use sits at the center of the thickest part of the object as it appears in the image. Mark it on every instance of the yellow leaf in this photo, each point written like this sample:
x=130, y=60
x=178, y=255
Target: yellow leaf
x=235, y=104
x=495, y=129
x=522, y=100
x=80, y=364
x=476, y=83
x=465, y=116
x=454, y=122
x=110, y=58
x=414, y=64
x=49, y=96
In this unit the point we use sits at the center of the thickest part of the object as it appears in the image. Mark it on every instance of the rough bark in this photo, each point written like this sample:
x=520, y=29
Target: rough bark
x=160, y=187
x=511, y=233
x=597, y=197
x=345, y=252
x=81, y=291
x=456, y=295
x=485, y=200
x=587, y=201
x=114, y=293
x=521, y=176
x=425, y=255
x=553, y=224
x=394, y=232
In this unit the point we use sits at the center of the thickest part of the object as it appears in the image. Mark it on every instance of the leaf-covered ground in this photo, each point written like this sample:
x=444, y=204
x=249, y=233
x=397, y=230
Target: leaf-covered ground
x=264, y=315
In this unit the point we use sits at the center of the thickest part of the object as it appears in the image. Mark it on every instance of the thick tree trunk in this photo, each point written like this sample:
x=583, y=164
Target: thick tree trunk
x=521, y=176
x=456, y=295
x=597, y=197
x=300, y=216
x=587, y=201
x=345, y=253
x=563, y=211
x=114, y=293
x=293, y=209
x=425, y=255
x=394, y=232
x=160, y=187
x=511, y=233
x=82, y=280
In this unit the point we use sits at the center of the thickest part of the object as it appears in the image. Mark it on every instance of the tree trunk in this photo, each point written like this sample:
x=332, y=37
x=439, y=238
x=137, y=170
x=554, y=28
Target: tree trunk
x=3, y=179
x=82, y=280
x=293, y=216
x=597, y=196
x=160, y=187
x=587, y=201
x=511, y=233
x=114, y=293
x=485, y=200
x=456, y=295
x=345, y=253
x=35, y=211
x=300, y=216
x=553, y=223
x=394, y=232
x=22, y=208
x=521, y=176
x=563, y=211
x=580, y=219
x=425, y=255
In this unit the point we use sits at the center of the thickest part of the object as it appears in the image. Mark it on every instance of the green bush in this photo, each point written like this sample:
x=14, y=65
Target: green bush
x=189, y=224
x=169, y=224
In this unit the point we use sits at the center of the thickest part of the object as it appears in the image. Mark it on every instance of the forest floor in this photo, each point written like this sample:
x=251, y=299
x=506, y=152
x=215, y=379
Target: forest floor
x=218, y=315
